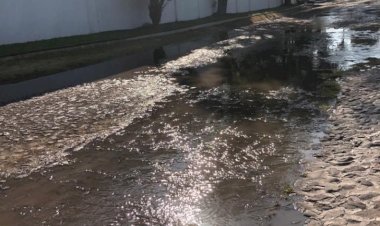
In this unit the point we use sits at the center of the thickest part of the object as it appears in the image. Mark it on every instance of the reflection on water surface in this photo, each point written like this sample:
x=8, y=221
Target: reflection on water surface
x=218, y=145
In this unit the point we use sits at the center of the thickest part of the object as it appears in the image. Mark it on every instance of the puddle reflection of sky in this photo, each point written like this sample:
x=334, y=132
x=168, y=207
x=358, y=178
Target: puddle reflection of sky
x=347, y=47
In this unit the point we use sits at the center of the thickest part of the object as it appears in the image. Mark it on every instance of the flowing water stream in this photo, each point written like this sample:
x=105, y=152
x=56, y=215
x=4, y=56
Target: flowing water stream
x=212, y=138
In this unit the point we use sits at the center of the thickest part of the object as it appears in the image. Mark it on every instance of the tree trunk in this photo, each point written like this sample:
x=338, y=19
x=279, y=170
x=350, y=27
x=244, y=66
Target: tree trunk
x=155, y=11
x=288, y=2
x=222, y=7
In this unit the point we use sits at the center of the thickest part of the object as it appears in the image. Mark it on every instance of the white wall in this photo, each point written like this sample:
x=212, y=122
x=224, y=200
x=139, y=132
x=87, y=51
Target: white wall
x=252, y=4
x=243, y=6
x=275, y=3
x=121, y=14
x=187, y=10
x=169, y=14
x=31, y=20
x=232, y=6
x=206, y=8
x=25, y=20
x=261, y=4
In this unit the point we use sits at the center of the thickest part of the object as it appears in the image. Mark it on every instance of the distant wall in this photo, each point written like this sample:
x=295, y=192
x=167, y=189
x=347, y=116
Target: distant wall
x=31, y=20
x=241, y=6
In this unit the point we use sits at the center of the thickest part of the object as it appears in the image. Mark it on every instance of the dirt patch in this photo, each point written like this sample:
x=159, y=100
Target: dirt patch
x=339, y=184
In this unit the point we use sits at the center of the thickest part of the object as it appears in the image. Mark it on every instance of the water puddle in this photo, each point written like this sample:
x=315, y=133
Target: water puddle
x=352, y=38
x=27, y=89
x=52, y=124
x=212, y=138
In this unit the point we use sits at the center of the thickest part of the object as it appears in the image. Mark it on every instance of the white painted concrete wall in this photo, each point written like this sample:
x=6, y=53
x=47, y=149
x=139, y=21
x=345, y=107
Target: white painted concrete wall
x=275, y=3
x=108, y=15
x=26, y=20
x=169, y=14
x=31, y=20
x=206, y=8
x=241, y=6
x=260, y=4
x=187, y=10
x=232, y=6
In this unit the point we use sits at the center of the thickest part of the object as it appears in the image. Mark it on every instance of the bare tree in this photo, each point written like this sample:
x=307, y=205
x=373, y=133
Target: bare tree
x=222, y=7
x=155, y=10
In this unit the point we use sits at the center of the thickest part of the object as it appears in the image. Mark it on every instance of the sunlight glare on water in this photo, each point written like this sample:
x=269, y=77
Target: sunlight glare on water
x=211, y=138
x=51, y=124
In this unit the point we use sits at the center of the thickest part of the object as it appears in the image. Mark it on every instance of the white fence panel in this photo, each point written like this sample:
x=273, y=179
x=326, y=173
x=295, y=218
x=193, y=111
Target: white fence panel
x=26, y=20
x=277, y=3
x=261, y=4
x=120, y=14
x=252, y=5
x=243, y=6
x=169, y=14
x=206, y=8
x=232, y=6
x=31, y=20
x=187, y=10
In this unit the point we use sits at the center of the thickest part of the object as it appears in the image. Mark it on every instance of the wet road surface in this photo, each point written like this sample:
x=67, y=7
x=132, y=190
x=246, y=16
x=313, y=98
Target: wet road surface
x=212, y=138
